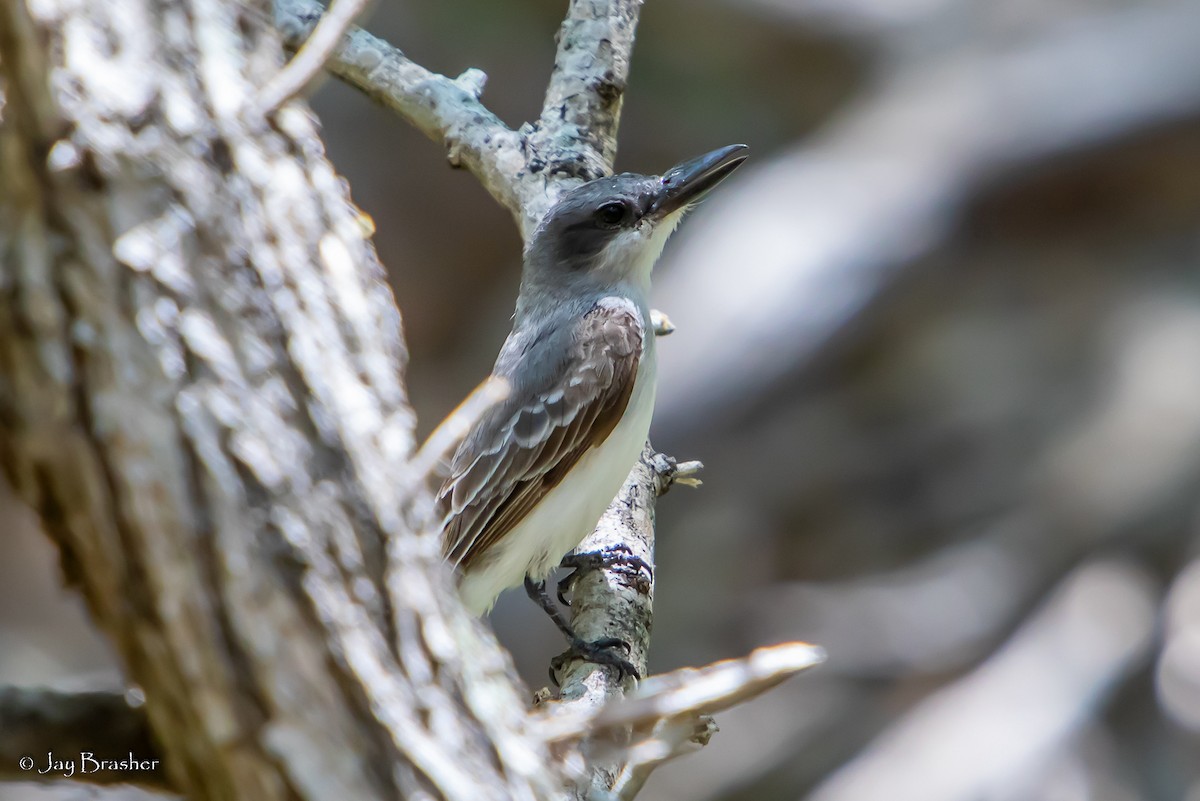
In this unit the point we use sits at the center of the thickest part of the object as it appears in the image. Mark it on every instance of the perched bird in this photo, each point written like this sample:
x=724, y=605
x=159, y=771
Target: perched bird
x=538, y=469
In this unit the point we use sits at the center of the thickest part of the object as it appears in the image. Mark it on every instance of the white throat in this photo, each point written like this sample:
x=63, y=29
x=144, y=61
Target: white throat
x=633, y=253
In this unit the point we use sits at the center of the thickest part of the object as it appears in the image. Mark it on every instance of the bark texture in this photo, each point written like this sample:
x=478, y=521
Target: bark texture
x=201, y=394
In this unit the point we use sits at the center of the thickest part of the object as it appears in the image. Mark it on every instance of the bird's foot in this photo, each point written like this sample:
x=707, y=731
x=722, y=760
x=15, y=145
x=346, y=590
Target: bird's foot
x=598, y=652
x=613, y=556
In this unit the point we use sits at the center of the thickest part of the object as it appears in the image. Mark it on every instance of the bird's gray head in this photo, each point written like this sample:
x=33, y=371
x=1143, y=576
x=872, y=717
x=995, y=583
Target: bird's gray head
x=612, y=230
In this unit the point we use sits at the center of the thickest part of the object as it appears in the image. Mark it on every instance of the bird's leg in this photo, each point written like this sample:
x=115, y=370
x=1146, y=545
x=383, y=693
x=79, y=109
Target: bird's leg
x=536, y=590
x=612, y=556
x=599, y=651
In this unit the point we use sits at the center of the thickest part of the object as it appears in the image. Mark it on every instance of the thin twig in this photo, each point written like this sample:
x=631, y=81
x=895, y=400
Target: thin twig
x=670, y=739
x=312, y=56
x=686, y=692
x=663, y=327
x=444, y=109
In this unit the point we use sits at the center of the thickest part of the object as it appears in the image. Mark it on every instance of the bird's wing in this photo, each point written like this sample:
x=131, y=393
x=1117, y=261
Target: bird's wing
x=525, y=446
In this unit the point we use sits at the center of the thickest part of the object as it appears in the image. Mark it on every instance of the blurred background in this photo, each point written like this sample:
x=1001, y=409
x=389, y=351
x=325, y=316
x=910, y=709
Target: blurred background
x=938, y=345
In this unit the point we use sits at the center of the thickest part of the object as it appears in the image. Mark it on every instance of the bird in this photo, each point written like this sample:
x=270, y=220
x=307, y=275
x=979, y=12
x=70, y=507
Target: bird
x=536, y=470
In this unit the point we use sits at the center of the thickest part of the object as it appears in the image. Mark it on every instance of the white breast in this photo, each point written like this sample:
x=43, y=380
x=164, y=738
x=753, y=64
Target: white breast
x=571, y=510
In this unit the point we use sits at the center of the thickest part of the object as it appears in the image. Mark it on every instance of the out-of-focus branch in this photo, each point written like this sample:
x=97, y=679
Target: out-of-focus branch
x=820, y=231
x=1147, y=402
x=669, y=715
x=992, y=727
x=1178, y=662
x=886, y=27
x=37, y=722
x=312, y=56
x=878, y=624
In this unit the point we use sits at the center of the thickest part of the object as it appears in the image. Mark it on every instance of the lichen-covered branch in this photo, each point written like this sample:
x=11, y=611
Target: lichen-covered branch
x=574, y=140
x=612, y=602
x=617, y=601
x=577, y=132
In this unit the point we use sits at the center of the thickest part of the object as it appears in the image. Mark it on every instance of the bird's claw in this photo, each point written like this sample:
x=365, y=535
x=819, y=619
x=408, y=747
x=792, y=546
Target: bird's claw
x=598, y=652
x=564, y=587
x=613, y=556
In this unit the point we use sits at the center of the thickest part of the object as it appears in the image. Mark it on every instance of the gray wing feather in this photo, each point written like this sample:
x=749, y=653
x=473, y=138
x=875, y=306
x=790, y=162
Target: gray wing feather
x=524, y=446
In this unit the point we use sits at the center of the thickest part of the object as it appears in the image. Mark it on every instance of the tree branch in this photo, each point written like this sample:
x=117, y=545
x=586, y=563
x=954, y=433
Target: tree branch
x=574, y=140
x=666, y=716
x=617, y=600
x=445, y=110
x=577, y=132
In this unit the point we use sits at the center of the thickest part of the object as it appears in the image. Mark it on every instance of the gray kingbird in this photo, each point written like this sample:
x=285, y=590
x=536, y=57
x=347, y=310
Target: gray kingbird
x=537, y=470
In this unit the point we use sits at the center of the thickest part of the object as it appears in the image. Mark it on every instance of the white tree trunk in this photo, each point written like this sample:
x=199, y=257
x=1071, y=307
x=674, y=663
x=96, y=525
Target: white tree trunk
x=202, y=397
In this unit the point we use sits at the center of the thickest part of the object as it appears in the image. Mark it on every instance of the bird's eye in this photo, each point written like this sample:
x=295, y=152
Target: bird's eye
x=611, y=213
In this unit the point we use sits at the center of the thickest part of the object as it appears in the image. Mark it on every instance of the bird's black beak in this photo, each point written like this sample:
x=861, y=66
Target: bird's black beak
x=686, y=183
